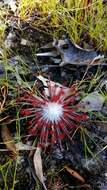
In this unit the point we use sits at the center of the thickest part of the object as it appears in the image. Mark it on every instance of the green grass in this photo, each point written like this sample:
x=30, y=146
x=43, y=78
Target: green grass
x=76, y=18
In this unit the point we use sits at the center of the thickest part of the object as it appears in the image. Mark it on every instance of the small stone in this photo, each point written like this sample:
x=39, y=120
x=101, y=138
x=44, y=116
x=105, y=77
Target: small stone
x=104, y=110
x=92, y=102
x=23, y=42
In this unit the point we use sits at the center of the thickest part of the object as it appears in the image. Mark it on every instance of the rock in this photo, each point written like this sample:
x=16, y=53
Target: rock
x=11, y=4
x=104, y=110
x=92, y=102
x=10, y=40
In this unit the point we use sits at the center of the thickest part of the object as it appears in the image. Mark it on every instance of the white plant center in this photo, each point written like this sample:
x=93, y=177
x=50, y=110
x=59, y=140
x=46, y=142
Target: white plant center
x=52, y=112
